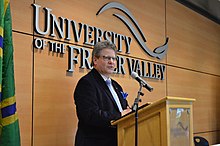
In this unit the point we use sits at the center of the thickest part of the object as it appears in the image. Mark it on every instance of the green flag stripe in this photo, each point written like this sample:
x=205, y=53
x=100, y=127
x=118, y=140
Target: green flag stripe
x=9, y=135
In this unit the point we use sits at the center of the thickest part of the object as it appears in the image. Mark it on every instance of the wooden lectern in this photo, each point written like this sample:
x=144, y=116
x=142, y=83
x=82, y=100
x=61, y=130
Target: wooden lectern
x=166, y=122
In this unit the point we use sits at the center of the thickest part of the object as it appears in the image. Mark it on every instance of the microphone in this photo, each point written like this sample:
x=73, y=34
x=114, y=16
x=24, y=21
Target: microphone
x=141, y=81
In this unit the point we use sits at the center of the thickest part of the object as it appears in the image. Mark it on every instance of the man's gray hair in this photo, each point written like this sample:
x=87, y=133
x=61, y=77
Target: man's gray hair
x=99, y=46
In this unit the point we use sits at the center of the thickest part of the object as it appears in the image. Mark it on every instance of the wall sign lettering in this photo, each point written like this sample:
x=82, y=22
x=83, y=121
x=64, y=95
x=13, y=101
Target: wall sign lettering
x=77, y=32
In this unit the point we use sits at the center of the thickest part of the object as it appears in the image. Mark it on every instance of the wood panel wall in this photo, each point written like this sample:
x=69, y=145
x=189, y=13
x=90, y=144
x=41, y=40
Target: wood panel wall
x=193, y=66
x=44, y=89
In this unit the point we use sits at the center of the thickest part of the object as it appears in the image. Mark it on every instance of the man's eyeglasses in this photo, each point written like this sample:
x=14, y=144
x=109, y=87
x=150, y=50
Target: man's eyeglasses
x=108, y=58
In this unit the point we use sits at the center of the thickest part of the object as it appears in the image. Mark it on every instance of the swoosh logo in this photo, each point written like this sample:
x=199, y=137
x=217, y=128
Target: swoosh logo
x=158, y=52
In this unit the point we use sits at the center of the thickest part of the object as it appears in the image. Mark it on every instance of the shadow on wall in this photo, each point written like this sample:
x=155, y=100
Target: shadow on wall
x=217, y=96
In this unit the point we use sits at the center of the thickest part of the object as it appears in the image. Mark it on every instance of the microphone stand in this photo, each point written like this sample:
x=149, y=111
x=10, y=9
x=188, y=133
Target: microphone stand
x=135, y=108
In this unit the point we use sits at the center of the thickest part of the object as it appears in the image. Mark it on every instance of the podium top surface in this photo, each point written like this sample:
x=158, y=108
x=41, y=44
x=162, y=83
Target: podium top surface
x=167, y=100
x=178, y=98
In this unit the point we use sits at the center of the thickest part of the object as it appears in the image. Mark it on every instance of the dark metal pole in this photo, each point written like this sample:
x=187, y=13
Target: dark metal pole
x=135, y=108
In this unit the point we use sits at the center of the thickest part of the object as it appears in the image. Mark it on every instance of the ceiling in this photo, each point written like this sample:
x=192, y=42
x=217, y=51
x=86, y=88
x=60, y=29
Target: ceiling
x=207, y=8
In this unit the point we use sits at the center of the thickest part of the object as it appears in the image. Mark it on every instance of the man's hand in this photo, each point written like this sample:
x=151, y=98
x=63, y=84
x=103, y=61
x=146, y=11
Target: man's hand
x=126, y=111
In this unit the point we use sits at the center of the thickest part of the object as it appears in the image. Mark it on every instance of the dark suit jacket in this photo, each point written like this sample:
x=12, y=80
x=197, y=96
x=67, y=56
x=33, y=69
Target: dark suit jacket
x=95, y=109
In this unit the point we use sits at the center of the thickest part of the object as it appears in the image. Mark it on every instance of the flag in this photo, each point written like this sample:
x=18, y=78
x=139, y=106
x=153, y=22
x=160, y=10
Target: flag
x=9, y=127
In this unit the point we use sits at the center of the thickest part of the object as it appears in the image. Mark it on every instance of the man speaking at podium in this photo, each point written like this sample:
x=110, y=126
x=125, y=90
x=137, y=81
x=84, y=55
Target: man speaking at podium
x=99, y=100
